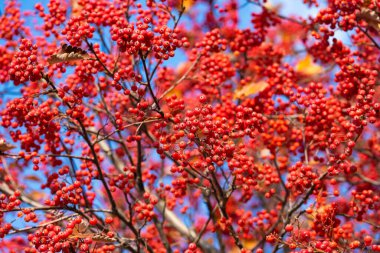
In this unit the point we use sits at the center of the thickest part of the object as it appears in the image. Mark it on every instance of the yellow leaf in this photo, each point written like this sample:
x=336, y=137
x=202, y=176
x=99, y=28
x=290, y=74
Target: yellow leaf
x=32, y=178
x=264, y=153
x=306, y=66
x=36, y=195
x=176, y=92
x=76, y=8
x=235, y=249
x=186, y=4
x=249, y=243
x=250, y=89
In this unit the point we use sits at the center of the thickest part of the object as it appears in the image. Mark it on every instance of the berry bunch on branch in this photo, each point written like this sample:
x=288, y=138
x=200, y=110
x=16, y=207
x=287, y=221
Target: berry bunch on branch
x=188, y=126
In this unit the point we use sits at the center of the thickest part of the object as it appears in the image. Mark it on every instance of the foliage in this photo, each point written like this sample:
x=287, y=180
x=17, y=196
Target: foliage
x=164, y=126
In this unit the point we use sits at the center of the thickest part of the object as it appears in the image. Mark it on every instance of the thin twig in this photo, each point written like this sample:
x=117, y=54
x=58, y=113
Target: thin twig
x=181, y=79
x=369, y=37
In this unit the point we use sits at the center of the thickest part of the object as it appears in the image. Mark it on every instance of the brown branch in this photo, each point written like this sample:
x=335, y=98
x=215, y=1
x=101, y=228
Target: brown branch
x=147, y=76
x=364, y=221
x=369, y=37
x=367, y=180
x=107, y=71
x=15, y=156
x=96, y=161
x=181, y=79
x=105, y=137
x=295, y=208
x=16, y=231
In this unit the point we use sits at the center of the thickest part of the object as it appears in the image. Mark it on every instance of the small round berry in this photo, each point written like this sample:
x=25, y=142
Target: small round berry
x=108, y=220
x=202, y=99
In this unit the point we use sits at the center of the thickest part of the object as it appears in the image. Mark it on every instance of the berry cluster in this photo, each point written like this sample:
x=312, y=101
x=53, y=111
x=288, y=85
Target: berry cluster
x=5, y=229
x=212, y=43
x=325, y=220
x=11, y=21
x=63, y=194
x=214, y=71
x=55, y=17
x=342, y=14
x=125, y=182
x=144, y=211
x=77, y=30
x=135, y=39
x=48, y=239
x=5, y=61
x=363, y=201
x=28, y=214
x=52, y=238
x=255, y=146
x=101, y=13
x=24, y=66
x=301, y=178
x=8, y=203
x=175, y=105
x=264, y=20
x=37, y=119
x=243, y=40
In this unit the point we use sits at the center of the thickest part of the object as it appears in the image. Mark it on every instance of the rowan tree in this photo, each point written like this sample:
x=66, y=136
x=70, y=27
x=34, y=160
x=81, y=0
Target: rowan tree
x=188, y=126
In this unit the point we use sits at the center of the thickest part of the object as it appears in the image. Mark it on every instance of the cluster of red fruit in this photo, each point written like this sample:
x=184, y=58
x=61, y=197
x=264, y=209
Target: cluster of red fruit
x=252, y=139
x=25, y=66
x=8, y=203
x=137, y=38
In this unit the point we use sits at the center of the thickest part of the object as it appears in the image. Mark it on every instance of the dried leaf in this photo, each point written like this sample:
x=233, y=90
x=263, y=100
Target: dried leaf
x=307, y=66
x=80, y=228
x=4, y=146
x=68, y=54
x=93, y=236
x=102, y=238
x=32, y=178
x=173, y=234
x=81, y=231
x=274, y=7
x=36, y=195
x=250, y=89
x=371, y=17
